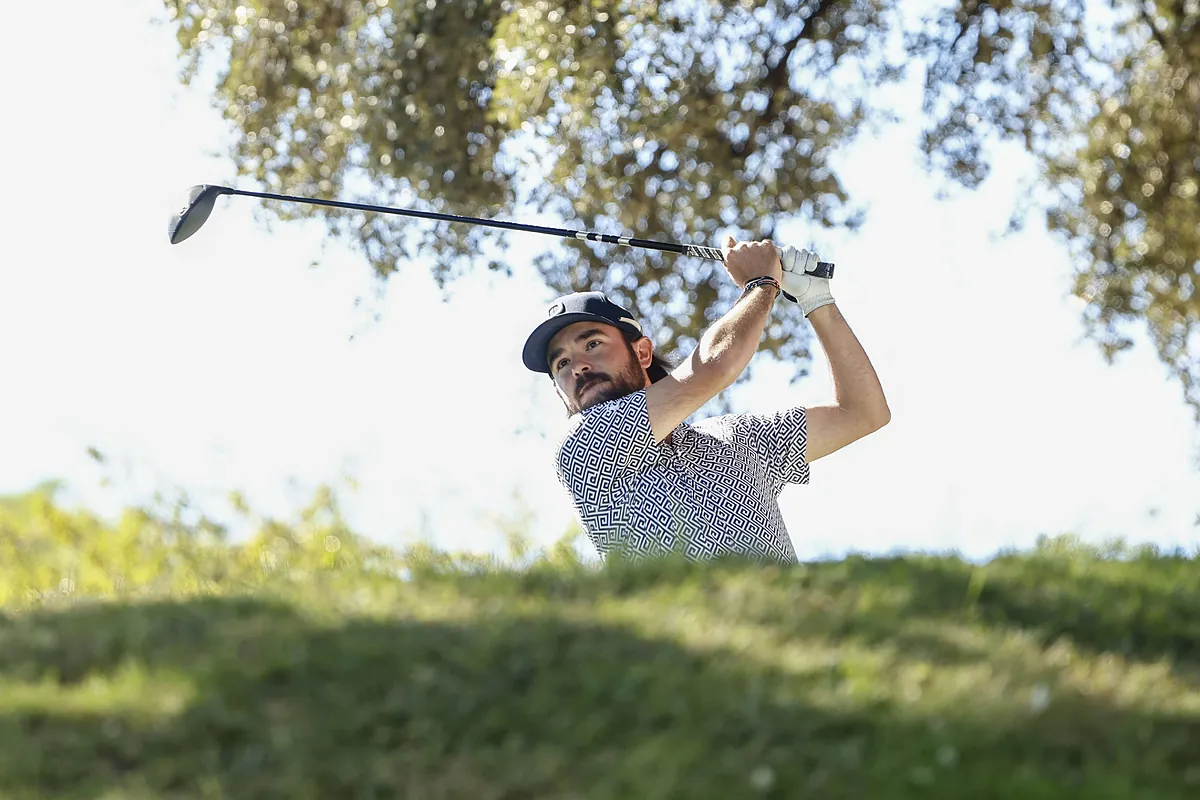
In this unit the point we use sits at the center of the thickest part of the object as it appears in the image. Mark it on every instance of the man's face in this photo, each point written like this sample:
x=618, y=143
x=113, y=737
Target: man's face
x=591, y=363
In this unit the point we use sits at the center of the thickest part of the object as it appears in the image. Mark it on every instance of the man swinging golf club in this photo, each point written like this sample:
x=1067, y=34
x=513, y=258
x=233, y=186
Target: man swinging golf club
x=643, y=481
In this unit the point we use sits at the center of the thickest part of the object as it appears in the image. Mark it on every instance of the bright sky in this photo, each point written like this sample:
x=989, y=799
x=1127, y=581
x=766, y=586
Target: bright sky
x=227, y=362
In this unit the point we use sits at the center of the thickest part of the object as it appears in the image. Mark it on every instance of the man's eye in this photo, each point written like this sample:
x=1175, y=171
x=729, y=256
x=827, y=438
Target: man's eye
x=593, y=341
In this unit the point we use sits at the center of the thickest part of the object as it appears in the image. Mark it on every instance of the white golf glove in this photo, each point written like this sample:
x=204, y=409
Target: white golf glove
x=807, y=291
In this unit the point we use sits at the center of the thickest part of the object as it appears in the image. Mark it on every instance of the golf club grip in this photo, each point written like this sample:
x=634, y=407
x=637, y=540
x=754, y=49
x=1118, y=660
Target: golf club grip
x=824, y=268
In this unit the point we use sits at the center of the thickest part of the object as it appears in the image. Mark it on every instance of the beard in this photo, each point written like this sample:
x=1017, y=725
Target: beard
x=608, y=387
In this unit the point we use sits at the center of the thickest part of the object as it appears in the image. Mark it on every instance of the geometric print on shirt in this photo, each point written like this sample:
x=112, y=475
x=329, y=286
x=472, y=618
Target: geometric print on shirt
x=709, y=489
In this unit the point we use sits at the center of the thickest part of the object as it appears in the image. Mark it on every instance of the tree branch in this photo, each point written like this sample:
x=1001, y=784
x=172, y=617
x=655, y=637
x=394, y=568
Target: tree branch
x=1154, y=32
x=776, y=79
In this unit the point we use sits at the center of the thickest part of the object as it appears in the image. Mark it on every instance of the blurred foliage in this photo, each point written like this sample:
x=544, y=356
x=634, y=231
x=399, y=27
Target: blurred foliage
x=49, y=552
x=606, y=116
x=1106, y=97
x=151, y=656
x=683, y=121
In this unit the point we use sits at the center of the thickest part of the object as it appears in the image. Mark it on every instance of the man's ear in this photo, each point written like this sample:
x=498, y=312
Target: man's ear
x=644, y=348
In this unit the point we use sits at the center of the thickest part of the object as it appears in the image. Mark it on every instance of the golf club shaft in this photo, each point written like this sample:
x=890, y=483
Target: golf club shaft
x=824, y=269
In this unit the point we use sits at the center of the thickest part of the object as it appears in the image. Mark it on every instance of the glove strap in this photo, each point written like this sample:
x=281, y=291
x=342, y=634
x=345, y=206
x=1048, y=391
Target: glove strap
x=765, y=280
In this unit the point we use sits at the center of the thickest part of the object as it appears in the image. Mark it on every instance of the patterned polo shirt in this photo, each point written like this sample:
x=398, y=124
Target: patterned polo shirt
x=708, y=489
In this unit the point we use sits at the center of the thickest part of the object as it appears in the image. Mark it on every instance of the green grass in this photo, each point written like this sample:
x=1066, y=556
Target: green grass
x=1059, y=673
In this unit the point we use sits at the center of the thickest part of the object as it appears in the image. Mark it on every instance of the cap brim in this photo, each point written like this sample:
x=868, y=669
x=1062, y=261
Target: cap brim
x=534, y=353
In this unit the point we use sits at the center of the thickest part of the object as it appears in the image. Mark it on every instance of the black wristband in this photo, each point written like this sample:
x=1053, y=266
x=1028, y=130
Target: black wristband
x=765, y=280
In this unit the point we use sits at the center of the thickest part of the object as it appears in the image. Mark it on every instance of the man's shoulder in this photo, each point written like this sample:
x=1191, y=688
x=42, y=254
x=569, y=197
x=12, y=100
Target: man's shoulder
x=747, y=427
x=722, y=426
x=734, y=421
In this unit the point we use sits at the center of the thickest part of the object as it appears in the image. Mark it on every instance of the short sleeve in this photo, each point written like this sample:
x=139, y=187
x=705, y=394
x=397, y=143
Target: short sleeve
x=604, y=444
x=779, y=439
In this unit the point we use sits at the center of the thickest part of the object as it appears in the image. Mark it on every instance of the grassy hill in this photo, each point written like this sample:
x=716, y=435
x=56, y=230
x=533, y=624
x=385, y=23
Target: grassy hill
x=151, y=658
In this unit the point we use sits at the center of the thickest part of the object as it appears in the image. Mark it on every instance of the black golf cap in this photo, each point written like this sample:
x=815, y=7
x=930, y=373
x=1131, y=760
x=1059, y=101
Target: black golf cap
x=582, y=307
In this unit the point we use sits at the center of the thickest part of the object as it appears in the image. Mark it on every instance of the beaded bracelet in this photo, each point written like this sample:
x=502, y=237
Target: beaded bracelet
x=765, y=280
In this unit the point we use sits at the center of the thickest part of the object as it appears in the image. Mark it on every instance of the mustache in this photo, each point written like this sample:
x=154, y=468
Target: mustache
x=583, y=385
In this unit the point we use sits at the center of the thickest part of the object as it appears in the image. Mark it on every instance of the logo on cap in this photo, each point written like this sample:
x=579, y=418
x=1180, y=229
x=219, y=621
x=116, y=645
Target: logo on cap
x=557, y=308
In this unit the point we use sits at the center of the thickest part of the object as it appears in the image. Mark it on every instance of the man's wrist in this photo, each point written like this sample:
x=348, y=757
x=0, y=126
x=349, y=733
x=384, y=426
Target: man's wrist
x=762, y=282
x=811, y=304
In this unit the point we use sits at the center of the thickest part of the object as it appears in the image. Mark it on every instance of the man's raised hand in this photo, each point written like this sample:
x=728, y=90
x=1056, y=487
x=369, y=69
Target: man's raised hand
x=808, y=291
x=746, y=261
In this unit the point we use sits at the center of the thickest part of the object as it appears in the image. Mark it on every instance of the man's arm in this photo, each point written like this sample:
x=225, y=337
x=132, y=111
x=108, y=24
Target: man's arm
x=725, y=348
x=859, y=406
x=723, y=352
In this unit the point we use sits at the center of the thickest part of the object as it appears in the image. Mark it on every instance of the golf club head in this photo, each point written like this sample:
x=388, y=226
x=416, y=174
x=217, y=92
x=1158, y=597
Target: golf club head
x=199, y=205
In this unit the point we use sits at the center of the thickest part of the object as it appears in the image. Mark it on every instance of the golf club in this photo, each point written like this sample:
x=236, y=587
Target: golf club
x=202, y=197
